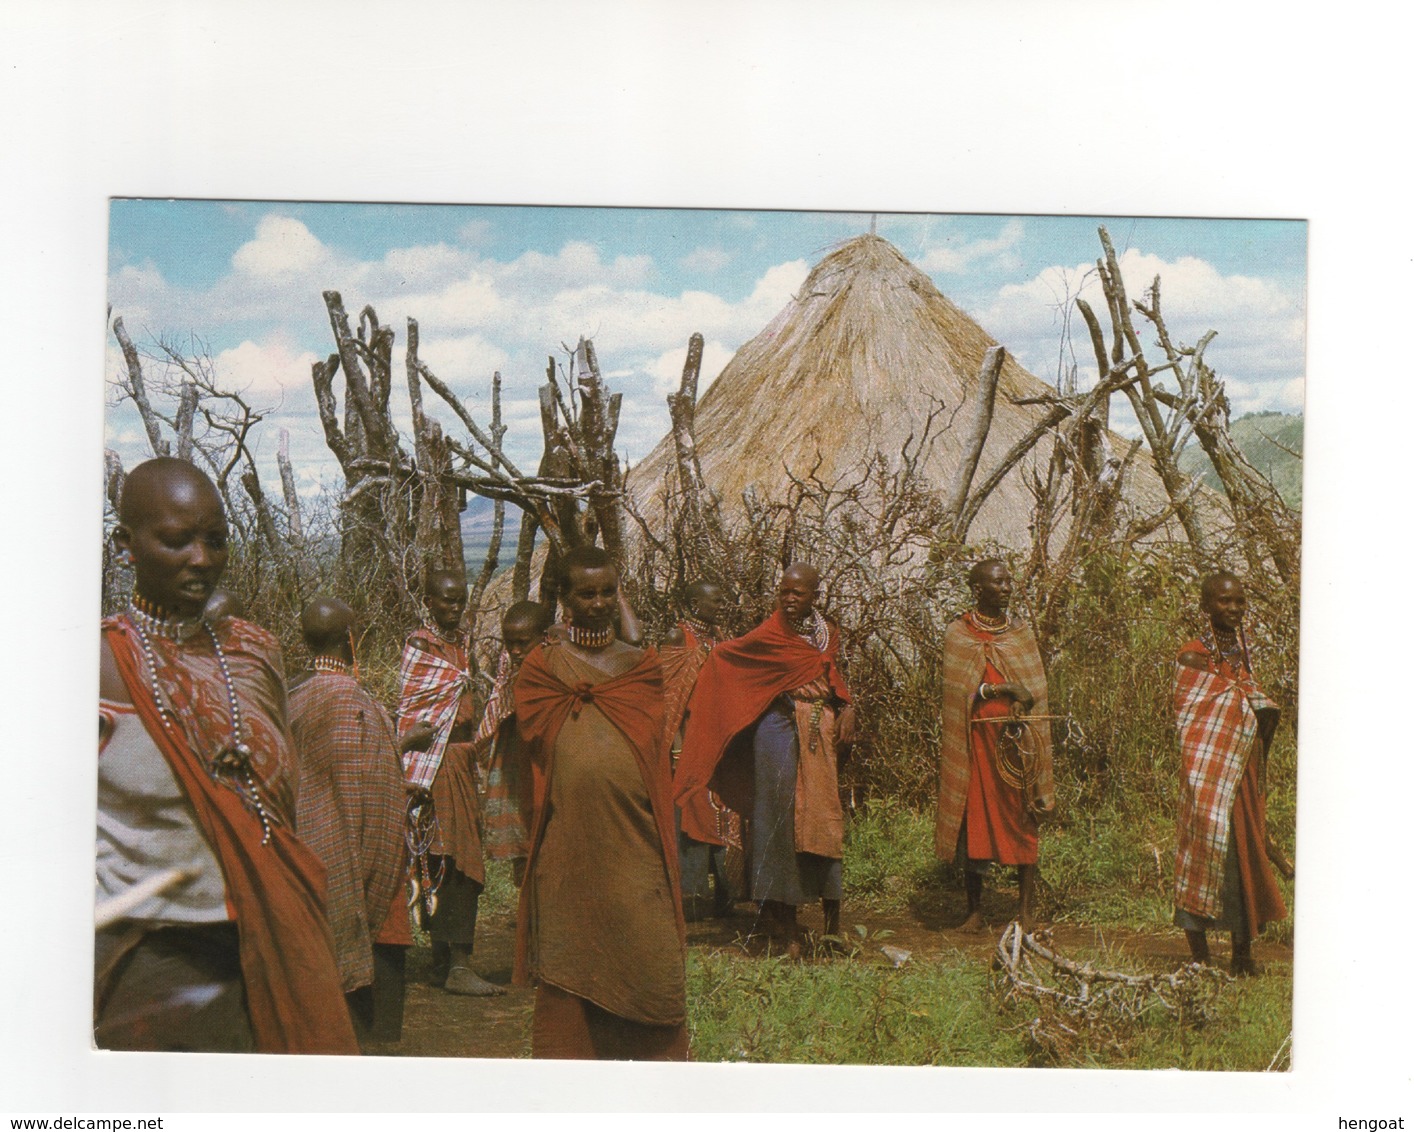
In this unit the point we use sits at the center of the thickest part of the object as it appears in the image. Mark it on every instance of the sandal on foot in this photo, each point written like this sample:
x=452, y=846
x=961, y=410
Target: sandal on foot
x=463, y=980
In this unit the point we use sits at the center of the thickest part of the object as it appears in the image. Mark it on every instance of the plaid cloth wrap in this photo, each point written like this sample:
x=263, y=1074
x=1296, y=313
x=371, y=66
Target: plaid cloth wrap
x=966, y=652
x=1217, y=727
x=350, y=810
x=504, y=832
x=431, y=689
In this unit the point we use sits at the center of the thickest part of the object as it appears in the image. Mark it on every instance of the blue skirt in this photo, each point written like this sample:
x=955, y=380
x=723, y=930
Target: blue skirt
x=778, y=872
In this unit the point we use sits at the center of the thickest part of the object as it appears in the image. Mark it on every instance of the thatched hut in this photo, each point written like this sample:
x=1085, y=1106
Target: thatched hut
x=852, y=365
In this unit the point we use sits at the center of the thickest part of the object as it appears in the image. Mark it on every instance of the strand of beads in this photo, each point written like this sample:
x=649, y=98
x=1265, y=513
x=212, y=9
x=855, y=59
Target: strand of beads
x=236, y=756
x=1226, y=646
x=151, y=657
x=814, y=629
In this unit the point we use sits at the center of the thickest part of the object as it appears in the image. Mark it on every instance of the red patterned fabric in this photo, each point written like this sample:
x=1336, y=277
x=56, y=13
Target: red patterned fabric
x=436, y=687
x=351, y=810
x=505, y=806
x=292, y=983
x=1216, y=710
x=432, y=680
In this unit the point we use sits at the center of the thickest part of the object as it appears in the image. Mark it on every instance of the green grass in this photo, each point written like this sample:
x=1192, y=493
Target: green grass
x=844, y=1012
x=948, y=1011
x=888, y=858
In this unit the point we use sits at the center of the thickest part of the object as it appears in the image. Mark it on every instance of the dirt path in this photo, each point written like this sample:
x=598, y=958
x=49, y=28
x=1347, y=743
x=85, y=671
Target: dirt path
x=437, y=1024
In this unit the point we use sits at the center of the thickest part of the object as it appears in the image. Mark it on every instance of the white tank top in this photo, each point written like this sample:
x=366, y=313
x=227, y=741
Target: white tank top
x=146, y=826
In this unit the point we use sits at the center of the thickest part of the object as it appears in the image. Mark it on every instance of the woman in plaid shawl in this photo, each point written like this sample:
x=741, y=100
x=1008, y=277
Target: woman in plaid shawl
x=436, y=688
x=992, y=673
x=1223, y=880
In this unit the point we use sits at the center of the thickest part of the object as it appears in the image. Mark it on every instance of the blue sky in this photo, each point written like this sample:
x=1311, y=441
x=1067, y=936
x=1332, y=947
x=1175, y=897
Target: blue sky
x=502, y=287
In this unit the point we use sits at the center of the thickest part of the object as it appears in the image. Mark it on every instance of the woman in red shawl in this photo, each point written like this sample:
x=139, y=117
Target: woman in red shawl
x=769, y=719
x=214, y=932
x=600, y=931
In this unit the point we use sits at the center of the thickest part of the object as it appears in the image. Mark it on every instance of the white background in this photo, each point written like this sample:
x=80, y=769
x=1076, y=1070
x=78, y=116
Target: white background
x=1217, y=109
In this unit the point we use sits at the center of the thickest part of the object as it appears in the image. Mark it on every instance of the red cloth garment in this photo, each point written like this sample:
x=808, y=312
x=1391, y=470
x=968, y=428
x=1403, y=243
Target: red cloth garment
x=738, y=682
x=292, y=983
x=505, y=808
x=701, y=810
x=351, y=810
x=1222, y=790
x=998, y=828
x=633, y=704
x=968, y=652
x=567, y=1027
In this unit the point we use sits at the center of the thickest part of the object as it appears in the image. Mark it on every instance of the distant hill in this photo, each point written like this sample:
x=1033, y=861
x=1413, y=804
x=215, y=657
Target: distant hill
x=476, y=533
x=1265, y=439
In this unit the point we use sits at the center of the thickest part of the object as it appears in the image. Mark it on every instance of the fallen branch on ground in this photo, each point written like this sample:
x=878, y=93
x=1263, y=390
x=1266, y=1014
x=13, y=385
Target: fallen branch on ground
x=1082, y=1006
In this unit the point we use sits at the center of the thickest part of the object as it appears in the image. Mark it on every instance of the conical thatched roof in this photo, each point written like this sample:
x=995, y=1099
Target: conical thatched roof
x=853, y=364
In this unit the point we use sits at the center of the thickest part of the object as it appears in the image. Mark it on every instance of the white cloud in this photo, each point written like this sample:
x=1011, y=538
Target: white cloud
x=462, y=361
x=269, y=369
x=282, y=245
x=954, y=257
x=706, y=260
x=778, y=286
x=666, y=368
x=1259, y=349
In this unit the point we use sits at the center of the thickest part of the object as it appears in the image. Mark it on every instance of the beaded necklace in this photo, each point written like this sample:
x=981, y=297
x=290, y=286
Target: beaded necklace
x=591, y=638
x=330, y=664
x=450, y=638
x=234, y=758
x=984, y=622
x=814, y=629
x=706, y=634
x=1229, y=647
x=159, y=622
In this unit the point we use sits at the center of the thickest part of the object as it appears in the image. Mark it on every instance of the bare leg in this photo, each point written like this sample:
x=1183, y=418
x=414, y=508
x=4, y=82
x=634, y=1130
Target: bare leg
x=1198, y=945
x=781, y=921
x=1242, y=961
x=441, y=962
x=1026, y=887
x=831, y=909
x=461, y=979
x=972, y=884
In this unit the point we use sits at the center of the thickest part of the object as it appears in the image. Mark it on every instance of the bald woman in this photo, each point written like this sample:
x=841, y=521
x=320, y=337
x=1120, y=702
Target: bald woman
x=214, y=931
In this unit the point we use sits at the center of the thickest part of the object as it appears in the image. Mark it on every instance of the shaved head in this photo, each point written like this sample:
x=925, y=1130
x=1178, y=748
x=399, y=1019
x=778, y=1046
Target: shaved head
x=795, y=596
x=445, y=595
x=155, y=486
x=437, y=579
x=1213, y=582
x=326, y=622
x=173, y=527
x=224, y=603
x=804, y=572
x=981, y=569
x=528, y=613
